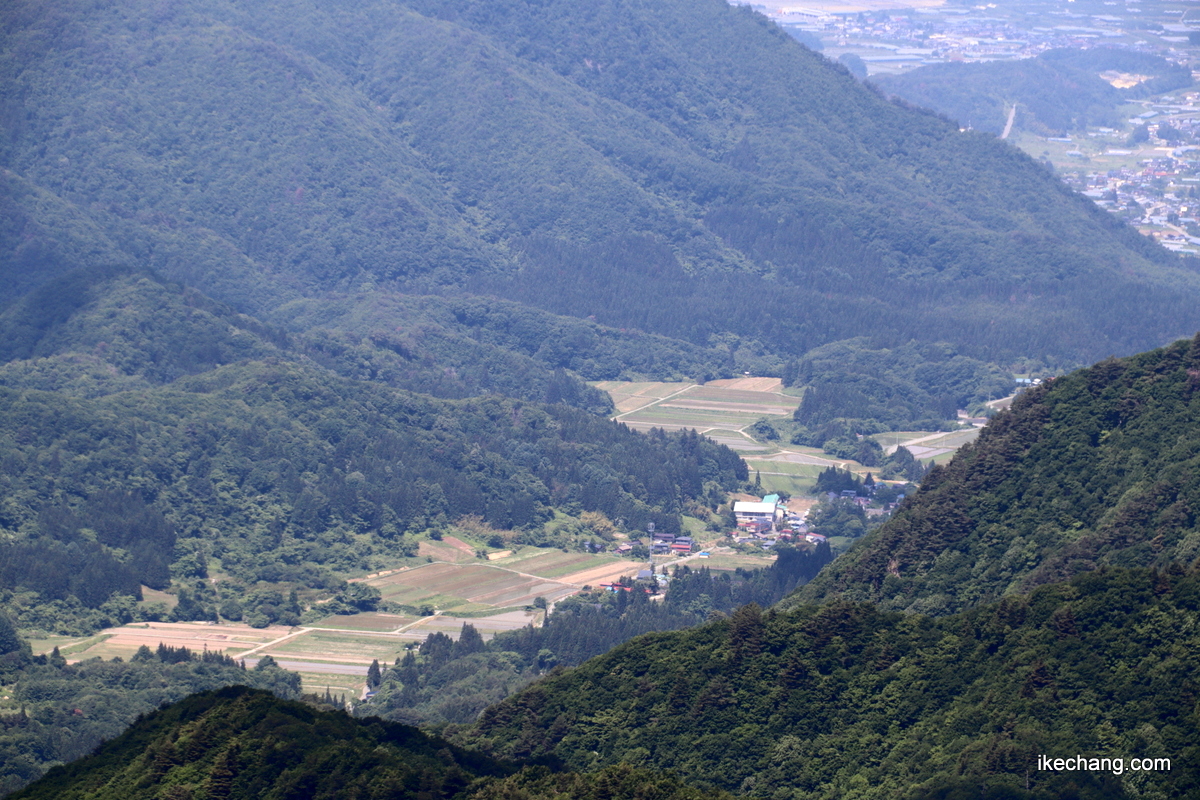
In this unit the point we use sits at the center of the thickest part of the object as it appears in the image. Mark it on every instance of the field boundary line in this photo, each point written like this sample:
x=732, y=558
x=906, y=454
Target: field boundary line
x=656, y=402
x=280, y=640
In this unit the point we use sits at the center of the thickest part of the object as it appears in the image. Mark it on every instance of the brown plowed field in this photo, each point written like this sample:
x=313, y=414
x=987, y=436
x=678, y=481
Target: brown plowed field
x=749, y=384
x=605, y=574
x=448, y=549
x=125, y=641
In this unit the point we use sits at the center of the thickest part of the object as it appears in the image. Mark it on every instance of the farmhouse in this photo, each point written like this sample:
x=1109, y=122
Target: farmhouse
x=755, y=517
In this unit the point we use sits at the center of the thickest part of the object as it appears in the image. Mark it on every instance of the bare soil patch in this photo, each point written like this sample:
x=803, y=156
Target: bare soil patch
x=749, y=384
x=604, y=574
x=230, y=638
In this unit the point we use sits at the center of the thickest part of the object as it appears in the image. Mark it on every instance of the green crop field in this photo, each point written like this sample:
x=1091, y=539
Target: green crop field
x=452, y=586
x=348, y=686
x=556, y=564
x=364, y=622
x=731, y=561
x=954, y=439
x=784, y=467
x=347, y=648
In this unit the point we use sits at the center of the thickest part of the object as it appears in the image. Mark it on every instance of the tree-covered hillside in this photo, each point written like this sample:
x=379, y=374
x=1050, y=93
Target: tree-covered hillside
x=683, y=168
x=242, y=744
x=97, y=331
x=277, y=469
x=1058, y=92
x=1098, y=467
x=845, y=700
x=147, y=430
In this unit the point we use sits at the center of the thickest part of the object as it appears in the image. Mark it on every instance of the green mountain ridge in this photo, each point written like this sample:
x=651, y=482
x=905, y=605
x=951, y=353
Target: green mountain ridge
x=239, y=743
x=58, y=712
x=846, y=700
x=1098, y=467
x=621, y=163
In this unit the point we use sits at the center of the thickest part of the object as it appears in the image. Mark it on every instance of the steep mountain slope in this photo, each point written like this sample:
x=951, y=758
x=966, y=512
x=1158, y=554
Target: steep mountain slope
x=846, y=700
x=238, y=743
x=624, y=160
x=1101, y=466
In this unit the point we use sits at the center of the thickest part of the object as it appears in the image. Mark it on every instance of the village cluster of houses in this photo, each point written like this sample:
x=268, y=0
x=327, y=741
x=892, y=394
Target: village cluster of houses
x=769, y=521
x=661, y=544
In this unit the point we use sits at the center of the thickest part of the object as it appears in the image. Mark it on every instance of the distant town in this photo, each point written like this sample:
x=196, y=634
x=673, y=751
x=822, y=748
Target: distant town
x=904, y=37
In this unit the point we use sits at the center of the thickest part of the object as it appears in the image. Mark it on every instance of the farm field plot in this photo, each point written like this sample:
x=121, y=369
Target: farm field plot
x=954, y=439
x=230, y=639
x=727, y=406
x=675, y=418
x=340, y=685
x=603, y=574
x=718, y=394
x=364, y=622
x=487, y=626
x=42, y=646
x=449, y=549
x=736, y=440
x=629, y=403
x=731, y=561
x=555, y=564
x=748, y=384
x=890, y=439
x=926, y=445
x=650, y=389
x=448, y=585
x=338, y=647
x=785, y=467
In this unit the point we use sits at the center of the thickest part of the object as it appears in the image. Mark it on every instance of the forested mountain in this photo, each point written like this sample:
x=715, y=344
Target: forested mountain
x=146, y=425
x=246, y=745
x=683, y=167
x=1057, y=92
x=283, y=472
x=1098, y=467
x=846, y=700
x=285, y=285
